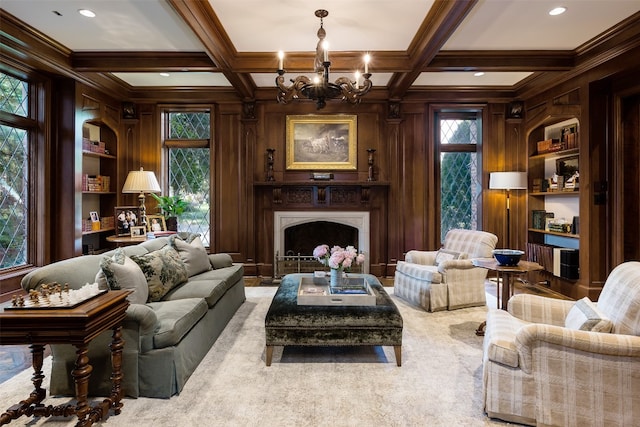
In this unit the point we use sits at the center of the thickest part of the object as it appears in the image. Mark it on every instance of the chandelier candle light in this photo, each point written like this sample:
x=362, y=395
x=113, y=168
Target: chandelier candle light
x=338, y=259
x=321, y=89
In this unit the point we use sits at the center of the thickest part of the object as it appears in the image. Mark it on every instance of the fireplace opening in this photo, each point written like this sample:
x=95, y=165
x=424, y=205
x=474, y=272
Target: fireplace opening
x=303, y=238
x=304, y=230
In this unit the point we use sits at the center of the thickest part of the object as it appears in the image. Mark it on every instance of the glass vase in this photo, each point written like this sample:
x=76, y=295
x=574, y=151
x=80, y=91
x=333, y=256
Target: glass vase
x=335, y=277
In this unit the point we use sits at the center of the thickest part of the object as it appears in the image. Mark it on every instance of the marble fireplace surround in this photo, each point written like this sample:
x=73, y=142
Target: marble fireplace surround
x=357, y=219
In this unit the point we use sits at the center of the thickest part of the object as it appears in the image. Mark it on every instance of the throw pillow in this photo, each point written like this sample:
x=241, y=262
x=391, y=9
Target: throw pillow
x=163, y=269
x=120, y=272
x=445, y=255
x=192, y=253
x=585, y=316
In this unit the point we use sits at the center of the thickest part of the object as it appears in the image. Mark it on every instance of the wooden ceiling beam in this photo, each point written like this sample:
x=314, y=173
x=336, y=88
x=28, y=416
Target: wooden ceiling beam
x=141, y=61
x=482, y=60
x=439, y=24
x=201, y=18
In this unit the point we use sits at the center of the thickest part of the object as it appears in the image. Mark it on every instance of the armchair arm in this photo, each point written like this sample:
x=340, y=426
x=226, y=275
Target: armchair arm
x=421, y=257
x=455, y=264
x=143, y=316
x=220, y=260
x=537, y=309
x=572, y=344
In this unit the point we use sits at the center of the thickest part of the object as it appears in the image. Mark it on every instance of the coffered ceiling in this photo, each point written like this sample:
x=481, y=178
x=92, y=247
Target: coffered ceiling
x=413, y=43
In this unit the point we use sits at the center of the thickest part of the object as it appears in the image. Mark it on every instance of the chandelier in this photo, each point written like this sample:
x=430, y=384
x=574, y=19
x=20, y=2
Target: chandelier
x=321, y=89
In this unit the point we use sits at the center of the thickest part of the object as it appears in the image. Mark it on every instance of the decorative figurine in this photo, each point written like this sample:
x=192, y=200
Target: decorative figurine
x=371, y=151
x=270, y=152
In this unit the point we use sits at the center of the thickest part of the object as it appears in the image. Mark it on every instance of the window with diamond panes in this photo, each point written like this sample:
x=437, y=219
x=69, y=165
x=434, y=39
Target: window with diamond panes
x=14, y=173
x=459, y=175
x=189, y=169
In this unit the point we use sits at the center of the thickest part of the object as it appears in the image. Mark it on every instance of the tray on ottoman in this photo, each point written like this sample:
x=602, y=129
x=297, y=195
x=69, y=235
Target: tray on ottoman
x=316, y=291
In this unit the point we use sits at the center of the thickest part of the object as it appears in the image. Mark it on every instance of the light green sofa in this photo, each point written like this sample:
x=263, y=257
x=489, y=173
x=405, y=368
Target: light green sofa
x=164, y=340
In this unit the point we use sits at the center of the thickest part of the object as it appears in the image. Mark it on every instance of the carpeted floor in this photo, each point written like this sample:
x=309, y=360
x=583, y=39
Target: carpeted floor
x=439, y=383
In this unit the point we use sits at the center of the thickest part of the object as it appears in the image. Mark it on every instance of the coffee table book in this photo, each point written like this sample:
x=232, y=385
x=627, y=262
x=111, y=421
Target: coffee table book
x=316, y=291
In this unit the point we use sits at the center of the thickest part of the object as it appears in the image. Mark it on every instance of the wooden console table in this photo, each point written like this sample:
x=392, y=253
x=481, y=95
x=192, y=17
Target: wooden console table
x=76, y=326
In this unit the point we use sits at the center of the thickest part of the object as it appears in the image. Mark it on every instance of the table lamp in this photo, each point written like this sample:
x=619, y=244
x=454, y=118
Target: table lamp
x=141, y=182
x=508, y=181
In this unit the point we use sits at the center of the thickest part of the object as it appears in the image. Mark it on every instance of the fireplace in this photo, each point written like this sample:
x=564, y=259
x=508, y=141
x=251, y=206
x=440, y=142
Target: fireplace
x=297, y=233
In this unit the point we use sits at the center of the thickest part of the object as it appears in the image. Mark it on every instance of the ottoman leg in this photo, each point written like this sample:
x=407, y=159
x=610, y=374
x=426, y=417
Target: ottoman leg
x=398, y=351
x=269, y=354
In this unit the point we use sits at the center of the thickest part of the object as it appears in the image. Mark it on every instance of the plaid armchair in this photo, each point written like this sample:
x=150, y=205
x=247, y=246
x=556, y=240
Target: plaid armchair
x=446, y=279
x=545, y=364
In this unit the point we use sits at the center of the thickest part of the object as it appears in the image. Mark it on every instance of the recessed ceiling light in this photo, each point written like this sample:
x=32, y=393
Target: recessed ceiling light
x=86, y=12
x=165, y=74
x=557, y=11
x=479, y=73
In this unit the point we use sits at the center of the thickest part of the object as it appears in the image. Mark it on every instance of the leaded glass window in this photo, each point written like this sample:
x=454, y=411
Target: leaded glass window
x=188, y=153
x=14, y=174
x=459, y=173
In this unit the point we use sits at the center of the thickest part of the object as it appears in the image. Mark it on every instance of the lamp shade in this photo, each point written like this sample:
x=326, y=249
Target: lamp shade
x=508, y=180
x=141, y=182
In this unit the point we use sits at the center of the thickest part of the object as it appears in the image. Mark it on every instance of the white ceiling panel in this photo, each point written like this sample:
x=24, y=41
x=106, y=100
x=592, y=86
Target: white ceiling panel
x=119, y=25
x=526, y=24
x=190, y=79
x=467, y=78
x=291, y=26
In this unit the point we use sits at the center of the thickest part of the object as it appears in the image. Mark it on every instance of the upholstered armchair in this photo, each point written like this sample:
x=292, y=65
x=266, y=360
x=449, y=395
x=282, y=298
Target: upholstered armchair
x=550, y=362
x=446, y=279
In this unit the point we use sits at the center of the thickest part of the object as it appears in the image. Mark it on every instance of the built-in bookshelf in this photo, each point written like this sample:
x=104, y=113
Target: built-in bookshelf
x=99, y=195
x=554, y=198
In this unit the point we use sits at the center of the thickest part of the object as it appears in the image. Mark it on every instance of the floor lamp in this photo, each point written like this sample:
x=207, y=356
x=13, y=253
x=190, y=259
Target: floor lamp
x=508, y=181
x=141, y=182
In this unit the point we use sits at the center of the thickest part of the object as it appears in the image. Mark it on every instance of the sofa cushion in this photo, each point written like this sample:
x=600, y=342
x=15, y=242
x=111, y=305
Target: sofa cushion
x=585, y=316
x=211, y=290
x=163, y=270
x=446, y=255
x=121, y=272
x=192, y=252
x=230, y=275
x=220, y=260
x=500, y=338
x=175, y=319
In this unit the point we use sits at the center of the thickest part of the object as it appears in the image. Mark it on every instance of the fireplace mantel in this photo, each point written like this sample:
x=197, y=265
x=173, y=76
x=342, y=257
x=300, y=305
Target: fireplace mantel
x=322, y=193
x=328, y=196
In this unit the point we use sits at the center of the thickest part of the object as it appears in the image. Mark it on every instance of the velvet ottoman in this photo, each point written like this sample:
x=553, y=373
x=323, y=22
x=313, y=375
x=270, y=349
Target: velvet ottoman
x=288, y=323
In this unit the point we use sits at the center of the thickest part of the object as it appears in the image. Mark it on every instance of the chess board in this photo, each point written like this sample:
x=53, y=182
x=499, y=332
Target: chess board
x=54, y=296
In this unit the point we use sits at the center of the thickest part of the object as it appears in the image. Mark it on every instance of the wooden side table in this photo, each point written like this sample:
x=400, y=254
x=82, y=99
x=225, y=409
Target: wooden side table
x=126, y=240
x=76, y=326
x=505, y=277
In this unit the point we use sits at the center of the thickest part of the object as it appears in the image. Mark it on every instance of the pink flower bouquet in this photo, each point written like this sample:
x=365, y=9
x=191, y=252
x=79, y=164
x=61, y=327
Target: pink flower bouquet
x=337, y=257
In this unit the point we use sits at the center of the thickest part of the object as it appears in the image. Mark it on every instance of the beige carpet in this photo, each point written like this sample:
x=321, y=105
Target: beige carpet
x=439, y=383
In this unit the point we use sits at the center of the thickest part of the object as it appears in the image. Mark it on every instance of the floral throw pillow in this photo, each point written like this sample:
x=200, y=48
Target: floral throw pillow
x=163, y=270
x=193, y=253
x=120, y=272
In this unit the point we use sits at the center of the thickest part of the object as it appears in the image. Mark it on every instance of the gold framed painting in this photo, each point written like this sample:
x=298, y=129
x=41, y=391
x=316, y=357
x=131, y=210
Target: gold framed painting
x=322, y=142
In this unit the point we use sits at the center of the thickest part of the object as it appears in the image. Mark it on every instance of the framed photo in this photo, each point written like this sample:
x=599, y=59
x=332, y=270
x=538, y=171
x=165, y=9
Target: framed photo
x=126, y=217
x=567, y=166
x=327, y=142
x=156, y=223
x=138, y=231
x=94, y=216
